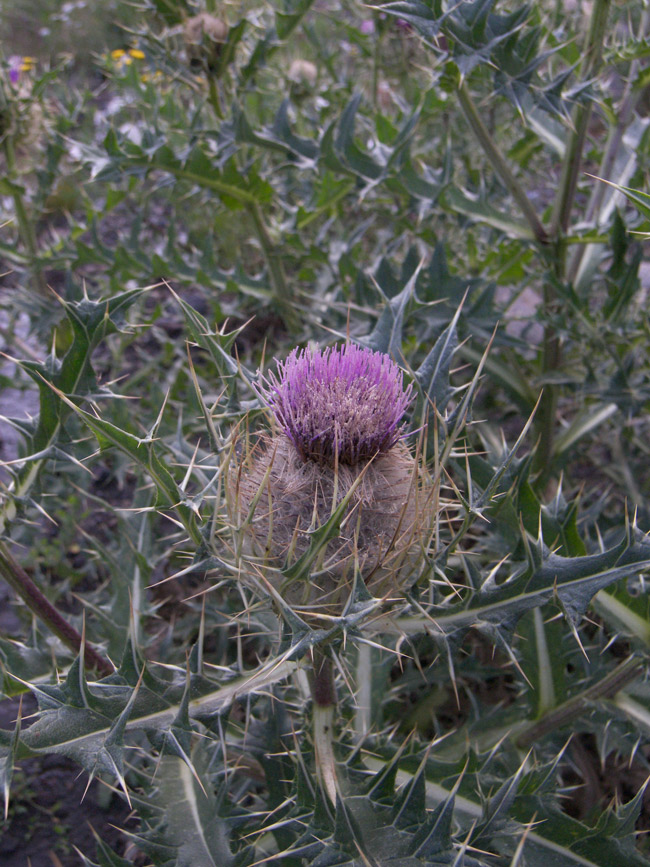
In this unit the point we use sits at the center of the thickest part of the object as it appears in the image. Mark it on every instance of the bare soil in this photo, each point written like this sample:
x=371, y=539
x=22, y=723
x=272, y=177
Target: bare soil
x=50, y=811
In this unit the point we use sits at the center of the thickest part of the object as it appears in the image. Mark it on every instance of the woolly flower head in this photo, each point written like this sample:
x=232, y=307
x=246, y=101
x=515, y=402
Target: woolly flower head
x=340, y=404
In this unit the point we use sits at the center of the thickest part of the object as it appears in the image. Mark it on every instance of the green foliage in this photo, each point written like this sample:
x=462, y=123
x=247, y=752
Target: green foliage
x=412, y=177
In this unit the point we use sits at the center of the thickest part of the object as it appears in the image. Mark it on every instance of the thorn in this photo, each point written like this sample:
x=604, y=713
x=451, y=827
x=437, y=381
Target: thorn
x=85, y=791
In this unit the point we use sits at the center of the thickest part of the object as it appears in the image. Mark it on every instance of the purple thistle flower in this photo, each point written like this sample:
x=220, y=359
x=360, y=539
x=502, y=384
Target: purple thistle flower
x=342, y=402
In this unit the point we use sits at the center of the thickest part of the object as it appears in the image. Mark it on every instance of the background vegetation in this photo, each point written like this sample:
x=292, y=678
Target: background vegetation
x=185, y=200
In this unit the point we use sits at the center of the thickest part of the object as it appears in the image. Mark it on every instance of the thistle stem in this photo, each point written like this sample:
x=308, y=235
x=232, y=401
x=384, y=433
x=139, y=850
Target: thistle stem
x=215, y=98
x=628, y=104
x=376, y=55
x=551, y=355
x=25, y=225
x=499, y=164
x=570, y=172
x=545, y=420
x=19, y=580
x=573, y=155
x=574, y=707
x=363, y=708
x=283, y=294
x=323, y=693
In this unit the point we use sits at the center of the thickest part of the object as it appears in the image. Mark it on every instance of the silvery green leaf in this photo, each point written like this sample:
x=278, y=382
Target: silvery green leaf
x=190, y=823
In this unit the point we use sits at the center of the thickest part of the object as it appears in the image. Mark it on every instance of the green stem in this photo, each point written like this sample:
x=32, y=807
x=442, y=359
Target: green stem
x=281, y=289
x=375, y=71
x=19, y=580
x=573, y=156
x=499, y=164
x=545, y=420
x=215, y=98
x=575, y=707
x=551, y=354
x=25, y=226
x=628, y=104
x=323, y=693
x=570, y=172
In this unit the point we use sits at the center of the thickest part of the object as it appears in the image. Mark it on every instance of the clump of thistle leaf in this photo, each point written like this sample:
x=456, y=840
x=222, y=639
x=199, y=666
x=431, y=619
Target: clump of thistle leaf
x=238, y=777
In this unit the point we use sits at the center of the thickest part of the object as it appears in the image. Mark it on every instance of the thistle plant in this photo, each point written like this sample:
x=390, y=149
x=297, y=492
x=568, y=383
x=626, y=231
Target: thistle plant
x=176, y=738
x=338, y=466
x=377, y=604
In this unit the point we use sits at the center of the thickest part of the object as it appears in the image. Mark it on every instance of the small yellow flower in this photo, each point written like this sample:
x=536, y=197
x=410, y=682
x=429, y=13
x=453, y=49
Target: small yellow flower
x=136, y=54
x=118, y=53
x=127, y=61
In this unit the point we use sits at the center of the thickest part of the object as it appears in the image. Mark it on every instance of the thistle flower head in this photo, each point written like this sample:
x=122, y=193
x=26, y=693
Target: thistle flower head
x=340, y=404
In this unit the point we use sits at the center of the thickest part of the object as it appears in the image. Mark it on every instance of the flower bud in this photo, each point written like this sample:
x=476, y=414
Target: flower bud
x=204, y=36
x=339, y=412
x=303, y=72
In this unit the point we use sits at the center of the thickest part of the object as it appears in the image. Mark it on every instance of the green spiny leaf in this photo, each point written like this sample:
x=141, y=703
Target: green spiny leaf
x=190, y=822
x=433, y=373
x=79, y=732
